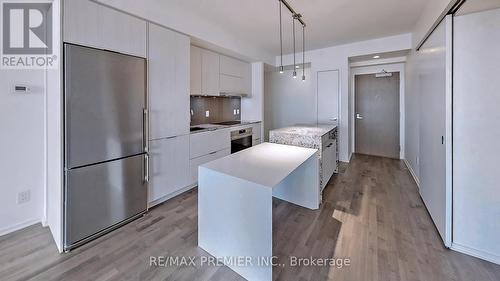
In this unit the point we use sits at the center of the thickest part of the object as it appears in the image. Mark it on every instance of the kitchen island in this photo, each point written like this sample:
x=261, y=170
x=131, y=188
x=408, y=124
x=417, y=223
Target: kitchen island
x=318, y=136
x=235, y=202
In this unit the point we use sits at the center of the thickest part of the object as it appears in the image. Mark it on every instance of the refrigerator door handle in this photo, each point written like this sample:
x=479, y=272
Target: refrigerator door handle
x=146, y=168
x=145, y=126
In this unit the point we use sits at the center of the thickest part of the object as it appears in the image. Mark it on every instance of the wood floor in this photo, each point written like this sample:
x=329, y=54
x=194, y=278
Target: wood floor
x=372, y=215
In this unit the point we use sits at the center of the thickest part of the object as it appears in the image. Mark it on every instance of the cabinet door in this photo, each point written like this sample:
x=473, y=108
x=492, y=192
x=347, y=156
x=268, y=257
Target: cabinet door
x=232, y=67
x=169, y=166
x=232, y=84
x=209, y=73
x=168, y=83
x=123, y=33
x=82, y=23
x=196, y=162
x=195, y=71
x=328, y=163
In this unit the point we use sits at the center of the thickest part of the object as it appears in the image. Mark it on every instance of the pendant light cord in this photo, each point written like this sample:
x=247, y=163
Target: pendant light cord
x=303, y=52
x=293, y=24
x=281, y=36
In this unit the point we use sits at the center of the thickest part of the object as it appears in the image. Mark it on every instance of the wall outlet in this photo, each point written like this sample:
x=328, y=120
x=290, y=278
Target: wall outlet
x=234, y=112
x=207, y=113
x=23, y=197
x=416, y=160
x=237, y=111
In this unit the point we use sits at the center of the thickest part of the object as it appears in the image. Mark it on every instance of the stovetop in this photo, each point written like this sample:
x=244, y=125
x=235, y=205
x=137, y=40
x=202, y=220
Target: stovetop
x=229, y=123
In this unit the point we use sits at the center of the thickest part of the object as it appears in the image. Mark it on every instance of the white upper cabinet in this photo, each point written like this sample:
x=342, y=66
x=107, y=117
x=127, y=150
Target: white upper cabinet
x=89, y=24
x=195, y=77
x=82, y=23
x=213, y=74
x=123, y=33
x=210, y=73
x=232, y=67
x=168, y=61
x=233, y=76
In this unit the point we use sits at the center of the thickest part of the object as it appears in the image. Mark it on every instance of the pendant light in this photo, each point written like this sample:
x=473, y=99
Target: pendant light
x=294, y=62
x=303, y=53
x=281, y=42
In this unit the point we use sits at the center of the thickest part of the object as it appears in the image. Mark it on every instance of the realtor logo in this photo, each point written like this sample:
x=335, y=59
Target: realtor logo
x=27, y=35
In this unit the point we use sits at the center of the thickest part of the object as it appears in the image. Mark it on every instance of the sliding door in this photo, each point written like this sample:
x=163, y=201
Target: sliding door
x=435, y=91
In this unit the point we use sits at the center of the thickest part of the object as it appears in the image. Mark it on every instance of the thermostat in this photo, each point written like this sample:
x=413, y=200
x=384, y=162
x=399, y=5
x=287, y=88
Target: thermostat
x=21, y=89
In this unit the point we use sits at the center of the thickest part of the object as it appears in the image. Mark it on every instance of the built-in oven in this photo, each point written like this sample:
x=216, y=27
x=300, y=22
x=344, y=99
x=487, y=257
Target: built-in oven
x=241, y=139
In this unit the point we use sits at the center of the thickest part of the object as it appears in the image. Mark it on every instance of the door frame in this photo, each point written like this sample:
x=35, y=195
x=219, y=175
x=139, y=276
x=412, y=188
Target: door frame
x=395, y=67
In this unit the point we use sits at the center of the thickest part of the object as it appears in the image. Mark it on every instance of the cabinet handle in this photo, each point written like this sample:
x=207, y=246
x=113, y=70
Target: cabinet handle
x=211, y=153
x=145, y=128
x=146, y=167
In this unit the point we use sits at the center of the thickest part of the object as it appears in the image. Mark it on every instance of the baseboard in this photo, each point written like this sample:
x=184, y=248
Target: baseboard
x=476, y=253
x=170, y=196
x=415, y=178
x=18, y=226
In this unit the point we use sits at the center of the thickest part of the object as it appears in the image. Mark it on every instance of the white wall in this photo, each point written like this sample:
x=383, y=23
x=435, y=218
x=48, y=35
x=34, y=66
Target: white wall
x=22, y=148
x=476, y=189
x=288, y=101
x=337, y=57
x=168, y=14
x=54, y=116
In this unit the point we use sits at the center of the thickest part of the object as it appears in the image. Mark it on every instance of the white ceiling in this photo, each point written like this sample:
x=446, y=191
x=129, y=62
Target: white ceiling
x=329, y=22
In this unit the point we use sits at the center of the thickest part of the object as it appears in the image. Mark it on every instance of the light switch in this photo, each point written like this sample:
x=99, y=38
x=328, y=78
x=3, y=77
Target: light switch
x=207, y=113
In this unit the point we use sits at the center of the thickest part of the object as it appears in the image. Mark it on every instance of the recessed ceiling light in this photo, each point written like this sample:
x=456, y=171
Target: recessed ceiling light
x=376, y=57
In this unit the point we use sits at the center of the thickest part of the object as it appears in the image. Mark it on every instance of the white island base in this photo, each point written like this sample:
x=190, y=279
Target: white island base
x=235, y=202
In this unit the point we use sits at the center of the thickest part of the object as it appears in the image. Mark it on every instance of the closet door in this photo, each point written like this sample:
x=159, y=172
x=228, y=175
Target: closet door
x=435, y=85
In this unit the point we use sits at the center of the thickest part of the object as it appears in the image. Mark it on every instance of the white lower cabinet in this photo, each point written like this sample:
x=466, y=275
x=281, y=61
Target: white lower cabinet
x=196, y=162
x=328, y=162
x=169, y=166
x=209, y=142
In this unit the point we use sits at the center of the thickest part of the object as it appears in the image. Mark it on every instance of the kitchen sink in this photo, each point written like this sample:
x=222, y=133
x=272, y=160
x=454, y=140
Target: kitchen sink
x=194, y=129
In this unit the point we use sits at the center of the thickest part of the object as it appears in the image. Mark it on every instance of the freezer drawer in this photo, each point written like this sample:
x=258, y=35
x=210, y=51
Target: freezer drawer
x=102, y=195
x=104, y=95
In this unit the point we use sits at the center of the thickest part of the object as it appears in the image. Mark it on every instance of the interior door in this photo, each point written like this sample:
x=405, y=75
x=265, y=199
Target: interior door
x=432, y=84
x=328, y=97
x=377, y=115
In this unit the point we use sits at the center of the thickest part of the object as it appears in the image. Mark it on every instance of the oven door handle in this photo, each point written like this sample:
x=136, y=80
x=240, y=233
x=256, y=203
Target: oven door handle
x=241, y=136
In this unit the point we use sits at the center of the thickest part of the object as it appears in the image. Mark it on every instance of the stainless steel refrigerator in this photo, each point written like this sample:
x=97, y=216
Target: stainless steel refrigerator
x=105, y=140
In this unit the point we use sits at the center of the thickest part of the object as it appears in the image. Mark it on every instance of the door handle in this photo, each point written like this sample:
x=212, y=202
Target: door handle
x=145, y=128
x=333, y=119
x=146, y=168
x=358, y=116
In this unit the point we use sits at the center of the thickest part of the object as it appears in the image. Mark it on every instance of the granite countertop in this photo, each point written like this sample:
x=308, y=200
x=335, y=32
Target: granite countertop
x=213, y=127
x=310, y=130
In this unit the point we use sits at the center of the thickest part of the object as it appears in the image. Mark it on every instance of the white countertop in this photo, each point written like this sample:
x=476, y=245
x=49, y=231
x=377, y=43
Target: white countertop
x=266, y=164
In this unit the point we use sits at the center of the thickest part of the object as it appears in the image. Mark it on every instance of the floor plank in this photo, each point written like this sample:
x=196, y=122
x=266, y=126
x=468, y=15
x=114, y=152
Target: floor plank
x=372, y=215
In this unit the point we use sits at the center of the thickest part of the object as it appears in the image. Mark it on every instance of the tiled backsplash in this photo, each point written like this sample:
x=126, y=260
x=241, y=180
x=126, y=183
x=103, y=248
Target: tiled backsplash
x=220, y=109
